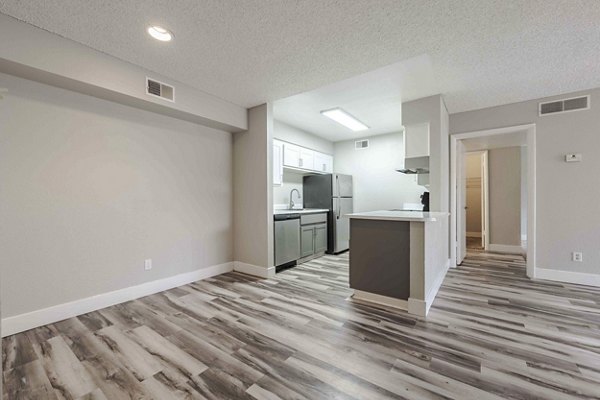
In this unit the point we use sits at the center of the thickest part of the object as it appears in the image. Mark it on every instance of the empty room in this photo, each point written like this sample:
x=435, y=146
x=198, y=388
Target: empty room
x=282, y=199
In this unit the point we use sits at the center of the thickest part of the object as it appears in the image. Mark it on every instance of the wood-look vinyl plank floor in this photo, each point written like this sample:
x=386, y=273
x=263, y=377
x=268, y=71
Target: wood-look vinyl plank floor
x=491, y=334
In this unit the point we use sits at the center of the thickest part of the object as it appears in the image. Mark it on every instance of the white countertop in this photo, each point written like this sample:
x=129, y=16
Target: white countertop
x=388, y=215
x=303, y=211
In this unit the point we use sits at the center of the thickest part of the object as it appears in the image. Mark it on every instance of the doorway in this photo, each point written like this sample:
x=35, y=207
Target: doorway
x=519, y=140
x=477, y=206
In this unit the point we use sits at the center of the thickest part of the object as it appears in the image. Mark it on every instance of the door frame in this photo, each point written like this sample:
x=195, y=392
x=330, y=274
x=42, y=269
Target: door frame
x=485, y=201
x=455, y=158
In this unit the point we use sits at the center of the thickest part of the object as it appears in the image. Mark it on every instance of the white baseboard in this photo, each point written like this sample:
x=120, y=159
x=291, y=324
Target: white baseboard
x=474, y=234
x=379, y=299
x=417, y=307
x=421, y=307
x=254, y=270
x=567, y=276
x=435, y=288
x=23, y=322
x=505, y=248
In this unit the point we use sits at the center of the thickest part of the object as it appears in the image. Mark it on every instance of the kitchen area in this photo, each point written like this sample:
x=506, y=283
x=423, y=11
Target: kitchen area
x=360, y=176
x=312, y=221
x=313, y=202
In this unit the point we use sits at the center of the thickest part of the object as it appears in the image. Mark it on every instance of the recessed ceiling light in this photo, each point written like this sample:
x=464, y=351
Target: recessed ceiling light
x=160, y=33
x=342, y=117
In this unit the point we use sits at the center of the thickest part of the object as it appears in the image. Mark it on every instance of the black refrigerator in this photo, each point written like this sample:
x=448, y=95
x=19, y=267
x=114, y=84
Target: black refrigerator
x=333, y=192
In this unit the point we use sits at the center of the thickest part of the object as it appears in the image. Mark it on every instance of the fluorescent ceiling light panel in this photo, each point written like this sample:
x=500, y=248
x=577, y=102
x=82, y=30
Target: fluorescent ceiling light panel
x=160, y=33
x=343, y=118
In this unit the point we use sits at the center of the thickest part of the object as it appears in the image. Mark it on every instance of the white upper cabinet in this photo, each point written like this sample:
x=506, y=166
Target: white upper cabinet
x=323, y=162
x=416, y=140
x=277, y=163
x=306, y=159
x=291, y=155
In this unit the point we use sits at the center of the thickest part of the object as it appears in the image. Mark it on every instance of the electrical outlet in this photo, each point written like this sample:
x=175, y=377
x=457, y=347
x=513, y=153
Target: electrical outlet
x=577, y=256
x=148, y=264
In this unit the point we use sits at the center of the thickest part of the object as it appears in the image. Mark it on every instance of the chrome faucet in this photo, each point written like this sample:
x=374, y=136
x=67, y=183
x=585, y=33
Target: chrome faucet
x=291, y=195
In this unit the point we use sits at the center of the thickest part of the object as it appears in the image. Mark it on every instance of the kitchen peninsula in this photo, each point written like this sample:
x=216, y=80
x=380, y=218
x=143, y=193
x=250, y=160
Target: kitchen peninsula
x=398, y=258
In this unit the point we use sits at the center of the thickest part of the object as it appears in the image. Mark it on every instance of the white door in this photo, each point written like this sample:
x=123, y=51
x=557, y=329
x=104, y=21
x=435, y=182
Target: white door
x=277, y=163
x=461, y=202
x=291, y=155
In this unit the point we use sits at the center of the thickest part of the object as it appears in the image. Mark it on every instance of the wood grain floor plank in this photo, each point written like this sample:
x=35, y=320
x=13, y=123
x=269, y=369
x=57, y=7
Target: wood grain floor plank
x=133, y=356
x=491, y=334
x=28, y=382
x=168, y=353
x=67, y=375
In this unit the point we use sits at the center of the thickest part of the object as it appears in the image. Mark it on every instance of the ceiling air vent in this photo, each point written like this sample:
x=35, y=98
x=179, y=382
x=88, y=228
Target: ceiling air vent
x=159, y=89
x=361, y=144
x=565, y=105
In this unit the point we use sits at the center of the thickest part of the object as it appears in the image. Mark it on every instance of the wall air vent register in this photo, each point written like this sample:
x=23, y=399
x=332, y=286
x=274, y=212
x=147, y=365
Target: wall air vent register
x=565, y=105
x=159, y=89
x=361, y=144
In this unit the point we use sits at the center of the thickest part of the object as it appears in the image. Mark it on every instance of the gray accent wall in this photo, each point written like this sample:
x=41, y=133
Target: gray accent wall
x=92, y=188
x=567, y=193
x=505, y=195
x=253, y=183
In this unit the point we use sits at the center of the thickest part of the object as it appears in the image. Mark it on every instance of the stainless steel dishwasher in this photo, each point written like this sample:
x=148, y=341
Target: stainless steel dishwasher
x=287, y=239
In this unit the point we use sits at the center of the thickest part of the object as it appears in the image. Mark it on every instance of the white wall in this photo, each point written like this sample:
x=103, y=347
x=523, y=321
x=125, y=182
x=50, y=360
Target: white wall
x=90, y=189
x=291, y=134
x=567, y=194
x=281, y=193
x=293, y=180
x=377, y=185
x=504, y=166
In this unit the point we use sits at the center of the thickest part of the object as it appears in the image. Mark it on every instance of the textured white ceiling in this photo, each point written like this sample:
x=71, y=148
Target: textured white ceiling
x=375, y=98
x=483, y=52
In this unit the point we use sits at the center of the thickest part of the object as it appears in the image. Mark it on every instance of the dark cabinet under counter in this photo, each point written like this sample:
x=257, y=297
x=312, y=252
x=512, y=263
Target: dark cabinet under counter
x=385, y=271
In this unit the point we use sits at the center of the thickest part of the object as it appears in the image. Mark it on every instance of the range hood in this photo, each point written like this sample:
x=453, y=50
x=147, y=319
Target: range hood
x=415, y=165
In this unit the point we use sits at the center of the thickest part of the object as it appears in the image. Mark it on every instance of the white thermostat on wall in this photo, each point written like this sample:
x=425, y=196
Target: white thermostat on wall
x=574, y=157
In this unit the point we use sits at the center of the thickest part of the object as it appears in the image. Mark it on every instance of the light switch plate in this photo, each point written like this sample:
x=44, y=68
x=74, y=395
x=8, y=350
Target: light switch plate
x=573, y=157
x=148, y=264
